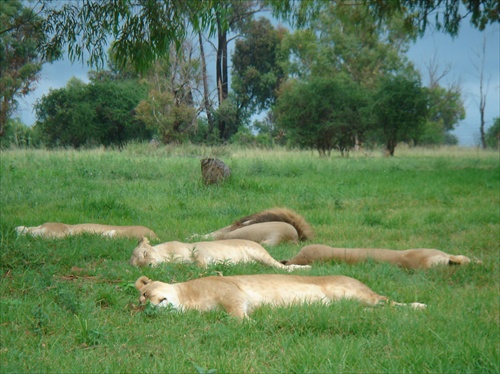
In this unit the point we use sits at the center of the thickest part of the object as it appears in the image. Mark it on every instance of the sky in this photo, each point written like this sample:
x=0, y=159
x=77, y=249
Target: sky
x=462, y=55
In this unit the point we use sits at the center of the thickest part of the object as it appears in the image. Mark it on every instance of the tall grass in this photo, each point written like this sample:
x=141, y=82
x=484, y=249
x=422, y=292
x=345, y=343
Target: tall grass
x=67, y=305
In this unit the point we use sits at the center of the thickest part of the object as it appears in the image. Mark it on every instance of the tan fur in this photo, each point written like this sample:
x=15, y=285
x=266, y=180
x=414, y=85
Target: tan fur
x=240, y=295
x=204, y=253
x=60, y=230
x=269, y=227
x=410, y=258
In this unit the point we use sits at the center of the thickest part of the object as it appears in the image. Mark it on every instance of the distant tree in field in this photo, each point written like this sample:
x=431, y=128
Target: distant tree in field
x=483, y=93
x=229, y=15
x=321, y=113
x=302, y=48
x=257, y=67
x=354, y=43
x=400, y=109
x=98, y=113
x=350, y=41
x=172, y=106
x=493, y=134
x=20, y=62
x=446, y=109
x=18, y=135
x=145, y=31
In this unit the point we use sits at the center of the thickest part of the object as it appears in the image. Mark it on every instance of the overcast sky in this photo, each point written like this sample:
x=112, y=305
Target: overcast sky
x=461, y=54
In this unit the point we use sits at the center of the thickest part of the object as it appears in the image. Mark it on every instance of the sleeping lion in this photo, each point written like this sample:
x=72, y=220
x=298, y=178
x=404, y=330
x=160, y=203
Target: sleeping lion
x=205, y=253
x=269, y=227
x=60, y=230
x=410, y=258
x=239, y=295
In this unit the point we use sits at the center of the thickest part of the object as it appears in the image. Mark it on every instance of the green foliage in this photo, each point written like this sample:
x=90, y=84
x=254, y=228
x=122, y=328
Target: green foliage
x=98, y=113
x=446, y=106
x=18, y=135
x=353, y=42
x=142, y=32
x=493, y=134
x=169, y=118
x=169, y=109
x=445, y=15
x=69, y=305
x=446, y=109
x=322, y=113
x=303, y=50
x=20, y=62
x=400, y=108
x=227, y=117
x=256, y=66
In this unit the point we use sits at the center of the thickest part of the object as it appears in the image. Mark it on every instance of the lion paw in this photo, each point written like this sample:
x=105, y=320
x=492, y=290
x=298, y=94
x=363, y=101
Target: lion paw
x=295, y=267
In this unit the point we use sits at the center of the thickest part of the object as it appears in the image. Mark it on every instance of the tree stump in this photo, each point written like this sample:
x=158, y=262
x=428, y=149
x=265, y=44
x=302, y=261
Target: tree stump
x=214, y=171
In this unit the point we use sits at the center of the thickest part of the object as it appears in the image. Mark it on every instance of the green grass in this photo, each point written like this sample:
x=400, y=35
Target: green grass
x=68, y=305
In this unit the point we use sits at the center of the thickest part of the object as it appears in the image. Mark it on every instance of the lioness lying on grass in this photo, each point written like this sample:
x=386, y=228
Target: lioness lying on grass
x=204, y=253
x=410, y=258
x=239, y=295
x=269, y=227
x=60, y=230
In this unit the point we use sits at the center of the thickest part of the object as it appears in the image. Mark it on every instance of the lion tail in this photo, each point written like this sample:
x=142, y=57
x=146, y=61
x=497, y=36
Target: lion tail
x=278, y=215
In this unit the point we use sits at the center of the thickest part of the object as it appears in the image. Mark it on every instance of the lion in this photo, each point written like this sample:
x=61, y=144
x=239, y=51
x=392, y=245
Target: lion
x=409, y=259
x=61, y=230
x=204, y=253
x=239, y=295
x=269, y=227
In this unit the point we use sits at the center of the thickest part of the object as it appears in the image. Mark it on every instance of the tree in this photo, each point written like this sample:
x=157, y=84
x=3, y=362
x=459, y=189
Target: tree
x=98, y=113
x=493, y=134
x=322, y=113
x=257, y=67
x=483, y=91
x=446, y=107
x=445, y=15
x=303, y=51
x=352, y=42
x=145, y=30
x=20, y=62
x=170, y=107
x=347, y=42
x=18, y=135
x=229, y=15
x=400, y=109
x=207, y=104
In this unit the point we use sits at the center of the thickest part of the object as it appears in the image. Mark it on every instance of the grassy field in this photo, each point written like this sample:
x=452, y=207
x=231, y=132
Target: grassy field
x=69, y=305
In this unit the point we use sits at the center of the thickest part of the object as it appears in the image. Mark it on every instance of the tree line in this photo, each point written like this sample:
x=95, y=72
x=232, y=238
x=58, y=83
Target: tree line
x=341, y=82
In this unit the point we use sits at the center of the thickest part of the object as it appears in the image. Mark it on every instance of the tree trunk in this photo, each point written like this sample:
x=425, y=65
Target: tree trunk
x=481, y=126
x=4, y=105
x=390, y=146
x=222, y=86
x=482, y=96
x=206, y=96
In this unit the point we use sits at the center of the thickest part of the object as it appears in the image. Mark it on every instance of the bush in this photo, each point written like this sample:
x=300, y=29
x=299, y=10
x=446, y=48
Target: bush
x=18, y=135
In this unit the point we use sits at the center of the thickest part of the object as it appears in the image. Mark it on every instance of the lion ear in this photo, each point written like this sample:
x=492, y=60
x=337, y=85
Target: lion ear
x=141, y=282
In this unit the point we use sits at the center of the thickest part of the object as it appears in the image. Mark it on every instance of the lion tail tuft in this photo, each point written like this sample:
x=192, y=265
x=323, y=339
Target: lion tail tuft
x=303, y=228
